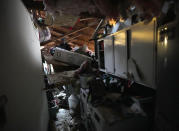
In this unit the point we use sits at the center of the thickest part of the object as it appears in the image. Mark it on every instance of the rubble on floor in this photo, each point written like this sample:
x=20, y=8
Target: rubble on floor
x=86, y=100
x=64, y=109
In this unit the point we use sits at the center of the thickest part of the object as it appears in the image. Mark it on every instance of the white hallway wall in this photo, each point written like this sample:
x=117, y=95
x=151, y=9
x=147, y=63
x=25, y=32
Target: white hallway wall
x=20, y=70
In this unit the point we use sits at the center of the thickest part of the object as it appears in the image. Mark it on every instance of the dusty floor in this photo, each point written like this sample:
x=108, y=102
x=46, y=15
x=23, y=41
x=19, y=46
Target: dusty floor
x=63, y=120
x=66, y=123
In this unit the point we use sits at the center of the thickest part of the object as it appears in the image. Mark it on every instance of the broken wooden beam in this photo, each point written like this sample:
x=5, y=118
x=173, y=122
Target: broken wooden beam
x=78, y=30
x=87, y=19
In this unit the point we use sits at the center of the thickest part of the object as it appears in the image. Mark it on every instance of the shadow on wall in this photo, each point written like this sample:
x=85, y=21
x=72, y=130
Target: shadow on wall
x=3, y=102
x=21, y=76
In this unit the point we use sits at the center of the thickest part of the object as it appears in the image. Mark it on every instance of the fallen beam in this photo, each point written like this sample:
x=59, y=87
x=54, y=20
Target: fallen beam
x=76, y=31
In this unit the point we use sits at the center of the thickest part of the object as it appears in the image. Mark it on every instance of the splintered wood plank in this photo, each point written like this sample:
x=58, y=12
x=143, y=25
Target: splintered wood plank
x=56, y=34
x=78, y=30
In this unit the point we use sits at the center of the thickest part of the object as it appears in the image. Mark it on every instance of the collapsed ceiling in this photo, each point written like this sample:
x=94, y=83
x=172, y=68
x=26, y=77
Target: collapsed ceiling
x=77, y=20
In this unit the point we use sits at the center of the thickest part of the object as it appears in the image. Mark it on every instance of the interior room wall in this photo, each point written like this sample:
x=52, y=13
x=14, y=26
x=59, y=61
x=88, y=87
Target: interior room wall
x=21, y=76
